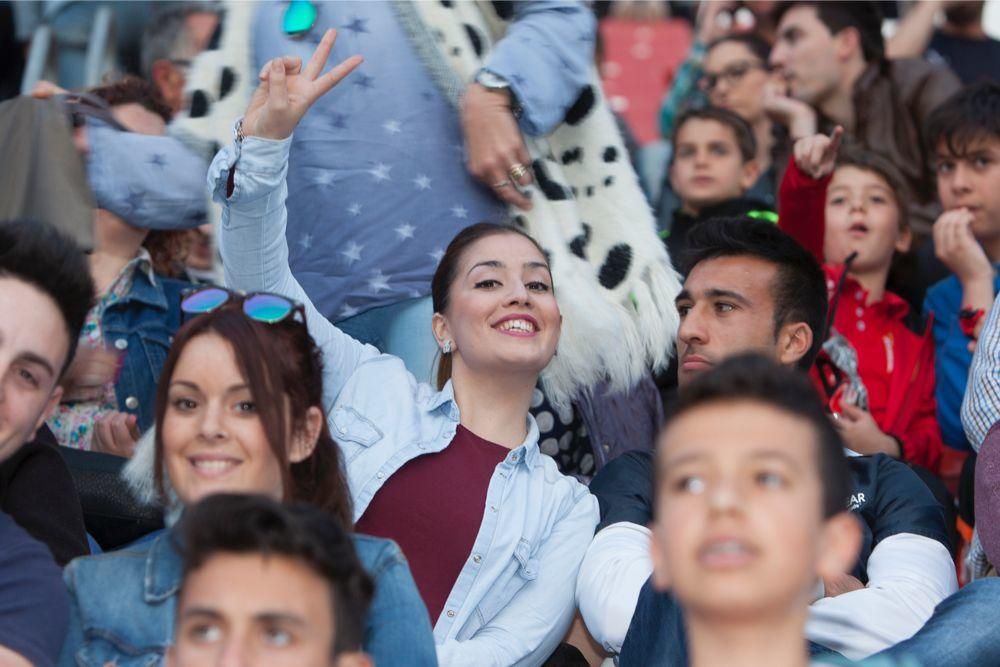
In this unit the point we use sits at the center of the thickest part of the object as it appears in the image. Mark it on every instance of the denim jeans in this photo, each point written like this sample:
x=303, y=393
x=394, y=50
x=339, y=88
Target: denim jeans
x=403, y=330
x=962, y=632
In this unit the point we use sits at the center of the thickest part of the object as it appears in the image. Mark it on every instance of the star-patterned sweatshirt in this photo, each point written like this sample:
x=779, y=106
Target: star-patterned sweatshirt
x=895, y=363
x=377, y=183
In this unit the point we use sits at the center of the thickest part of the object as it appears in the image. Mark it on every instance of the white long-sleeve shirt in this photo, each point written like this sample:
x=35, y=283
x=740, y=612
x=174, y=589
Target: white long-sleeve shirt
x=908, y=575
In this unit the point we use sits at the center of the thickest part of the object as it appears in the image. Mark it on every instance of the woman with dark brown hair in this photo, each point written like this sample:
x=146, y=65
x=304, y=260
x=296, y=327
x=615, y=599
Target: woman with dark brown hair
x=494, y=534
x=238, y=410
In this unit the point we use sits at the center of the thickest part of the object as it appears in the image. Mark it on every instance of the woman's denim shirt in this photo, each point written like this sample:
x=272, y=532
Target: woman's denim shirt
x=123, y=603
x=513, y=600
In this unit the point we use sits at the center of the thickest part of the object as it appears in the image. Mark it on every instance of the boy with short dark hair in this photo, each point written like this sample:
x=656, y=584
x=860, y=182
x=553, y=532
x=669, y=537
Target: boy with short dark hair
x=712, y=166
x=751, y=492
x=964, y=135
x=36, y=254
x=268, y=583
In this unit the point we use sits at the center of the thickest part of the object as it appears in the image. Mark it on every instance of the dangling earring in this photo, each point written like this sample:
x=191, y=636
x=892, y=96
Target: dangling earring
x=446, y=348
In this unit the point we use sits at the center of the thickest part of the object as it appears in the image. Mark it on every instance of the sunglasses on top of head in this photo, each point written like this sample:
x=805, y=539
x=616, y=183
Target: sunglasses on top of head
x=263, y=307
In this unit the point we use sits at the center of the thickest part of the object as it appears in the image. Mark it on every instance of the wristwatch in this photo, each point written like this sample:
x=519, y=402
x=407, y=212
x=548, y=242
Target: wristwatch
x=495, y=83
x=491, y=80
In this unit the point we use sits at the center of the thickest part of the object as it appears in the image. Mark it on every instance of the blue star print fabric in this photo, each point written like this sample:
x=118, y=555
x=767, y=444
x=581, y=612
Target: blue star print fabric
x=153, y=182
x=377, y=184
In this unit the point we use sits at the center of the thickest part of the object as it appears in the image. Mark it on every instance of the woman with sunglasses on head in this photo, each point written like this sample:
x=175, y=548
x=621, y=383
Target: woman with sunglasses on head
x=239, y=409
x=493, y=533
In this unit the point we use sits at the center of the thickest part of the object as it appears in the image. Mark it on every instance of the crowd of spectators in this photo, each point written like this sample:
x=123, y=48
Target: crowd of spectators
x=421, y=359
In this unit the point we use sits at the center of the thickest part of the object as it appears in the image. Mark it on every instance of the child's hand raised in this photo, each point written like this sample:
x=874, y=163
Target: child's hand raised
x=955, y=245
x=816, y=155
x=287, y=90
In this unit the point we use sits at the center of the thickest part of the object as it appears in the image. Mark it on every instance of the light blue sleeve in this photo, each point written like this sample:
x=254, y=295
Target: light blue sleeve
x=530, y=627
x=255, y=252
x=547, y=56
x=981, y=406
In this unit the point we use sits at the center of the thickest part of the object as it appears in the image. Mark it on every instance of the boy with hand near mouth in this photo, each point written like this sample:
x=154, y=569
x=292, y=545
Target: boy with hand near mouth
x=848, y=208
x=964, y=135
x=712, y=167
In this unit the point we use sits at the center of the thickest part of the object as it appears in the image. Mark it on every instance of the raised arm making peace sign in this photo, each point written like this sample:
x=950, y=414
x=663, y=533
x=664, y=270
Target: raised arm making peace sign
x=286, y=90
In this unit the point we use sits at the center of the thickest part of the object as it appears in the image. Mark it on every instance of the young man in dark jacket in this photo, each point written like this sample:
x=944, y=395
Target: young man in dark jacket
x=45, y=290
x=750, y=287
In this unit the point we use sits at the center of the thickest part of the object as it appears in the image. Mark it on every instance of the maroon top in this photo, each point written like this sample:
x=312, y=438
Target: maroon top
x=432, y=507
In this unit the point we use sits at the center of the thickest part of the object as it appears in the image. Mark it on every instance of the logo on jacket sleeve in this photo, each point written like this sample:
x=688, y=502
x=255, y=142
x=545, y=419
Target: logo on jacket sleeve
x=857, y=500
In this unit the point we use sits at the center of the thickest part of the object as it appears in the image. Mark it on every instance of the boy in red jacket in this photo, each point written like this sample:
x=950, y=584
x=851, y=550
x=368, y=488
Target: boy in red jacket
x=848, y=208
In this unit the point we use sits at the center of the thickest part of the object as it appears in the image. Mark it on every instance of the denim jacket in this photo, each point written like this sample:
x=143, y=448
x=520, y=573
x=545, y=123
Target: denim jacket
x=513, y=600
x=122, y=606
x=142, y=325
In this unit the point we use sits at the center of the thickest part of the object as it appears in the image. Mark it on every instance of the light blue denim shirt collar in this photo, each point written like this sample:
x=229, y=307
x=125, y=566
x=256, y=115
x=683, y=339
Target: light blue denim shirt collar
x=445, y=401
x=527, y=452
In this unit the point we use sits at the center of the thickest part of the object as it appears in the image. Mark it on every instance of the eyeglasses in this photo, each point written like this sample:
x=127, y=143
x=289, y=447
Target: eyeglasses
x=299, y=18
x=732, y=74
x=263, y=307
x=183, y=63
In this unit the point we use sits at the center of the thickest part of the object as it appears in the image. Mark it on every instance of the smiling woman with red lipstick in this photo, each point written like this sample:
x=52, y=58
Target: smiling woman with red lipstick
x=493, y=533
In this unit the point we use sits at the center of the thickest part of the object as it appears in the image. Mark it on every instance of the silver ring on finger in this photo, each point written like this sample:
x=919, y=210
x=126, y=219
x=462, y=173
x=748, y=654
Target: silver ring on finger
x=502, y=184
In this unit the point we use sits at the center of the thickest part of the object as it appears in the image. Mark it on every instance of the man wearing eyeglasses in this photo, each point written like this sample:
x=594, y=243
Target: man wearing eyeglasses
x=170, y=43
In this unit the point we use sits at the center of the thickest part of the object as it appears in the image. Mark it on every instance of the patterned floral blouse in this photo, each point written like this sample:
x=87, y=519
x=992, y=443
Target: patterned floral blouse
x=73, y=422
